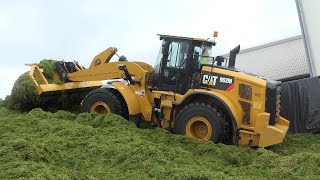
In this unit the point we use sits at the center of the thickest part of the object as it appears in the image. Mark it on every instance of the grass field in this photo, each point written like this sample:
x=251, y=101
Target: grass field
x=62, y=145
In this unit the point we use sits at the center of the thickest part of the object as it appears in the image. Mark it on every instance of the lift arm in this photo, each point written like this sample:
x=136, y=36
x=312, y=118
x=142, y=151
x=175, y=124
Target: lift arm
x=108, y=71
x=104, y=57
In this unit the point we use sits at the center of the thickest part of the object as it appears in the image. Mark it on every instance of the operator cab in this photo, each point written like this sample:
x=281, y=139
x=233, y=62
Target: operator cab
x=179, y=60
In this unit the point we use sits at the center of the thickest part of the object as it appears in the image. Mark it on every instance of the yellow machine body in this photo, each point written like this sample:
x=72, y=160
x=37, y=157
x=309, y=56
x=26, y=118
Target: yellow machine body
x=43, y=87
x=249, y=127
x=257, y=132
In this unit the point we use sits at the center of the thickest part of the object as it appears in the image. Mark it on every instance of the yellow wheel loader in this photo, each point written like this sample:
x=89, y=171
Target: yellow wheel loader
x=187, y=92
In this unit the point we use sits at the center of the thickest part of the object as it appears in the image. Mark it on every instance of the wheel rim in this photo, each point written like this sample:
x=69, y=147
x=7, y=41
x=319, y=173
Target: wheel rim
x=100, y=107
x=199, y=127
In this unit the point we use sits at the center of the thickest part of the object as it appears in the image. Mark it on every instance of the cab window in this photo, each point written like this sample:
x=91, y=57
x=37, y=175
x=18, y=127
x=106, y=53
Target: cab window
x=203, y=53
x=178, y=54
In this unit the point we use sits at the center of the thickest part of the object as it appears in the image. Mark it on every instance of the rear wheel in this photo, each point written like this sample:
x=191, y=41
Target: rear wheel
x=105, y=101
x=200, y=121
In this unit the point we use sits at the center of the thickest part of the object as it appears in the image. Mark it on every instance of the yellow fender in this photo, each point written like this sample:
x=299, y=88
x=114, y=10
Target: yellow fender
x=129, y=96
x=225, y=102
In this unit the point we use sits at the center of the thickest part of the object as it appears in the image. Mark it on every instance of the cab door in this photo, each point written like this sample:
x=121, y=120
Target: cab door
x=174, y=62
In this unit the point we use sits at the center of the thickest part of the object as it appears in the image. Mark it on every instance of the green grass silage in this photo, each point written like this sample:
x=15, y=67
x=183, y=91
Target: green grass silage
x=24, y=97
x=62, y=145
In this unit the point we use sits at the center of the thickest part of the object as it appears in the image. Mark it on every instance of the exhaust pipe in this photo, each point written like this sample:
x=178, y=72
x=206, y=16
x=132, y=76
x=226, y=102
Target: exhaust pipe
x=232, y=56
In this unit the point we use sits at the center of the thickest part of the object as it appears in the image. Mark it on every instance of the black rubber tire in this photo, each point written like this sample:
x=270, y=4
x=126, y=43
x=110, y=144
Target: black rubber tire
x=205, y=110
x=111, y=97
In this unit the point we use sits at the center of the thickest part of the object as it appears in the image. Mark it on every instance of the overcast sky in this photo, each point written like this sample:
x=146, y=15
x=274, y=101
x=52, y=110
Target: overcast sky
x=69, y=30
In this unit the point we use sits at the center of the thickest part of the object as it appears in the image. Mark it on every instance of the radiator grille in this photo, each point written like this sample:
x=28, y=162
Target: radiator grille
x=245, y=91
x=246, y=112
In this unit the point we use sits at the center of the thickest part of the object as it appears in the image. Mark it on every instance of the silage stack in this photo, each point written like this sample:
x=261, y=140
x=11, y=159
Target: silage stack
x=24, y=97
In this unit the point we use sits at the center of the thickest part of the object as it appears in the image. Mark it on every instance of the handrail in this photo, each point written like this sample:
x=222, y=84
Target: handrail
x=186, y=60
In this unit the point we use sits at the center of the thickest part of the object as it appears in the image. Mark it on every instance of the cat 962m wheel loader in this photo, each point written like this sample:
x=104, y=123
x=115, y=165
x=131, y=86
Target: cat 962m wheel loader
x=187, y=92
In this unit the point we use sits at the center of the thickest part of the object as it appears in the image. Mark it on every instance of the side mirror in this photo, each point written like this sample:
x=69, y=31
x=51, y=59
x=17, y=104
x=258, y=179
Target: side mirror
x=220, y=60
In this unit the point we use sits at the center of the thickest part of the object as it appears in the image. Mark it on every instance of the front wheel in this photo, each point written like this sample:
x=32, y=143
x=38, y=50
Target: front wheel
x=200, y=121
x=105, y=101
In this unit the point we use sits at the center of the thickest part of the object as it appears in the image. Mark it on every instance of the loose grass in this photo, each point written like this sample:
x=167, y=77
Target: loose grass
x=62, y=145
x=24, y=97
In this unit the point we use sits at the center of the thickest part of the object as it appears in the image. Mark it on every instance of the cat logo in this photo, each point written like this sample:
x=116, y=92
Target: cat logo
x=217, y=81
x=209, y=80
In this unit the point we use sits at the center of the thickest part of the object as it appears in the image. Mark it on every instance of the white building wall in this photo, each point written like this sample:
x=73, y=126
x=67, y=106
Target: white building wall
x=278, y=60
x=309, y=20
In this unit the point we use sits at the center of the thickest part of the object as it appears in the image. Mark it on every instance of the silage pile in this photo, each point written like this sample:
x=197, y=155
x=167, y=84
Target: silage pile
x=62, y=145
x=24, y=97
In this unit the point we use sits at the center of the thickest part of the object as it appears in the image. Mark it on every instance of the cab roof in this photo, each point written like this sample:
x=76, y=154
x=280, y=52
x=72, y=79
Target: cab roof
x=162, y=36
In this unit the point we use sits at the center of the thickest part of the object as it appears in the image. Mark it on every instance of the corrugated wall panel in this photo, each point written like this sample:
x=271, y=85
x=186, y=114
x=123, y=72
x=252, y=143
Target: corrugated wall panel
x=279, y=60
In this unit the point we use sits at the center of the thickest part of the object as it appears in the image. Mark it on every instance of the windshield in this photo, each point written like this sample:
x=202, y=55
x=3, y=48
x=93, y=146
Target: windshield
x=175, y=52
x=157, y=65
x=178, y=52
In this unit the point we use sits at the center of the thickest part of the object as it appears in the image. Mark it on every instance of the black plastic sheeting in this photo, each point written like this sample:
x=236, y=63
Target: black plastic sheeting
x=300, y=102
